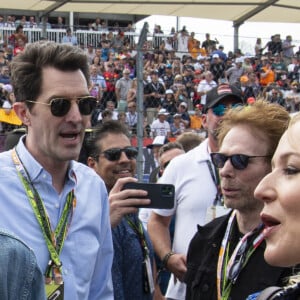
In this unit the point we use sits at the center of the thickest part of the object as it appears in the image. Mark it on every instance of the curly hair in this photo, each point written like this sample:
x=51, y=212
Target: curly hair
x=269, y=118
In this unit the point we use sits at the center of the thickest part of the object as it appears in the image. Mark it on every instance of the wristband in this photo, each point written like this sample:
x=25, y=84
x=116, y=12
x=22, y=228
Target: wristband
x=166, y=259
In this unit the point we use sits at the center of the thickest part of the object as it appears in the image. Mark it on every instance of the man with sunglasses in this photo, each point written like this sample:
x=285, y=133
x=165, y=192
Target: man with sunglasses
x=57, y=206
x=226, y=256
x=196, y=190
x=113, y=158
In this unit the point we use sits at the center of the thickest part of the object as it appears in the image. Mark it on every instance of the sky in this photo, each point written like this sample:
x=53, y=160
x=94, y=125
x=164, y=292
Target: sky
x=223, y=30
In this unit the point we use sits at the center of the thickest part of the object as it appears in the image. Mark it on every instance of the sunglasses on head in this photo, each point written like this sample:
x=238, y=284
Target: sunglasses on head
x=238, y=161
x=61, y=106
x=220, y=109
x=114, y=154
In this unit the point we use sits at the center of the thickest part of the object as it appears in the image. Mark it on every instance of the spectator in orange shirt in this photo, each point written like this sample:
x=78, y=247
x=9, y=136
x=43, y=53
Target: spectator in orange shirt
x=197, y=50
x=192, y=41
x=196, y=119
x=267, y=75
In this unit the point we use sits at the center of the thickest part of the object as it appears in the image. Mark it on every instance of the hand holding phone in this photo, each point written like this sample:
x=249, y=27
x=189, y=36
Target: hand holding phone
x=161, y=195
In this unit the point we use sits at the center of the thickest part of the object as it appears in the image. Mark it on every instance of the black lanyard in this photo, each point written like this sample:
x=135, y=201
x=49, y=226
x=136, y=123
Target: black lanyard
x=216, y=179
x=137, y=227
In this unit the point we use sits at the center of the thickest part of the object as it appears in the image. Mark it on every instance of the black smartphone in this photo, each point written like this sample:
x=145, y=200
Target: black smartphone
x=161, y=195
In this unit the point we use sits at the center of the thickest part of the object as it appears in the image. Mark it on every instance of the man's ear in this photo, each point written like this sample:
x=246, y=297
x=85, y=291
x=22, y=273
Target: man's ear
x=91, y=162
x=22, y=112
x=204, y=121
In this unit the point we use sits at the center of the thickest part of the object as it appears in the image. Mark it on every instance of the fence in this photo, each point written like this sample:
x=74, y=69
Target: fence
x=84, y=37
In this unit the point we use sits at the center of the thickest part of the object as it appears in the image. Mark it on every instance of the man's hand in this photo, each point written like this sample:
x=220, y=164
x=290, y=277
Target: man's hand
x=177, y=265
x=123, y=202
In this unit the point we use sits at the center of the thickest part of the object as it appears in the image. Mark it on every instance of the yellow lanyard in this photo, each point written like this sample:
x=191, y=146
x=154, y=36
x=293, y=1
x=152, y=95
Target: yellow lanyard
x=54, y=239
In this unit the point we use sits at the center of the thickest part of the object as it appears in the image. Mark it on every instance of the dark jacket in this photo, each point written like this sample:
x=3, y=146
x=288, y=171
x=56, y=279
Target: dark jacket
x=202, y=262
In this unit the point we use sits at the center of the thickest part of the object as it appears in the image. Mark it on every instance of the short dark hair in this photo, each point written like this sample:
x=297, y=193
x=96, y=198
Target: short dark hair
x=169, y=146
x=107, y=113
x=189, y=140
x=27, y=67
x=99, y=132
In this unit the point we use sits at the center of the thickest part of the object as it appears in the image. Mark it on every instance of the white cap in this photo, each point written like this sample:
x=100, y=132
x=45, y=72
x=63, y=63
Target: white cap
x=169, y=91
x=215, y=55
x=8, y=88
x=239, y=60
x=162, y=111
x=158, y=141
x=200, y=57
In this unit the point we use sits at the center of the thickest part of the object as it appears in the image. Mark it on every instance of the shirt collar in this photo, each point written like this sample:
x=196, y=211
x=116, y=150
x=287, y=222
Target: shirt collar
x=34, y=169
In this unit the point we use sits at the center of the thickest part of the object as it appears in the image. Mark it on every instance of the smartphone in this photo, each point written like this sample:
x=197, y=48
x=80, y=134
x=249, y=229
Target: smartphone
x=161, y=195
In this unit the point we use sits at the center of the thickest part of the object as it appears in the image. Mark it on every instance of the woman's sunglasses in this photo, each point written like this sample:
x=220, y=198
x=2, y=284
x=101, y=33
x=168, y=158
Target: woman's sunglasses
x=61, y=106
x=114, y=154
x=238, y=161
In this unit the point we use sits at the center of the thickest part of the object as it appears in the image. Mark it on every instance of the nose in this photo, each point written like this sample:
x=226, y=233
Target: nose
x=264, y=190
x=123, y=157
x=227, y=170
x=74, y=114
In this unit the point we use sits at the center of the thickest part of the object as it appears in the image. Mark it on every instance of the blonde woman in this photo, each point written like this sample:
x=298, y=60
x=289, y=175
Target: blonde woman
x=280, y=191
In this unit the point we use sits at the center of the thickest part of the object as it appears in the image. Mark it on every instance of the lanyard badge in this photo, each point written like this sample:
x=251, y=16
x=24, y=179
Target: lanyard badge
x=54, y=239
x=148, y=282
x=55, y=291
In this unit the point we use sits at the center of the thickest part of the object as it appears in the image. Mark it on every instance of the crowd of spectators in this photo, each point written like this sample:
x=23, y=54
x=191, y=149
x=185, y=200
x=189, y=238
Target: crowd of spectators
x=178, y=72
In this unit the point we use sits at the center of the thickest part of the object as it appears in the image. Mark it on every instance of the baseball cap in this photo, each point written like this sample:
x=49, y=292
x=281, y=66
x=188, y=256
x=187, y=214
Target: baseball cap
x=8, y=88
x=200, y=57
x=158, y=141
x=215, y=55
x=222, y=92
x=169, y=91
x=183, y=104
x=162, y=111
x=239, y=60
x=154, y=72
x=169, y=66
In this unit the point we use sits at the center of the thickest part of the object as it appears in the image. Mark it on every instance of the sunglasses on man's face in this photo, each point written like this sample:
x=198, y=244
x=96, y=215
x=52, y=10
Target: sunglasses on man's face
x=220, y=109
x=114, y=154
x=61, y=106
x=238, y=161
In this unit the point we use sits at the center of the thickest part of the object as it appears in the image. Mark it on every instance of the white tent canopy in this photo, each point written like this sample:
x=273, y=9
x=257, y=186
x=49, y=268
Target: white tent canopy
x=236, y=11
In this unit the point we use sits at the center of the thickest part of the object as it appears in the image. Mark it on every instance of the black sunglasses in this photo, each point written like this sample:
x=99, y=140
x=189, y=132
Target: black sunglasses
x=114, y=154
x=61, y=106
x=238, y=161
